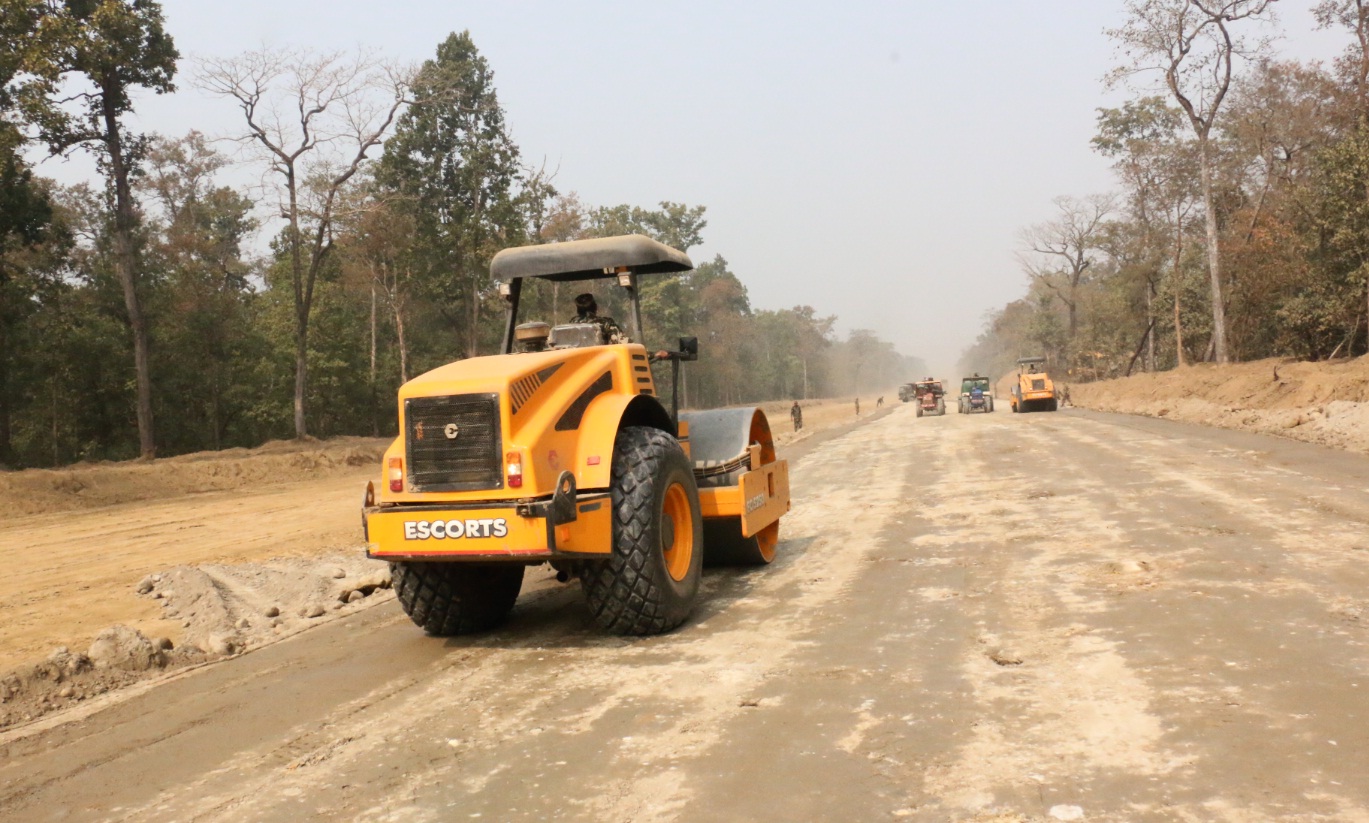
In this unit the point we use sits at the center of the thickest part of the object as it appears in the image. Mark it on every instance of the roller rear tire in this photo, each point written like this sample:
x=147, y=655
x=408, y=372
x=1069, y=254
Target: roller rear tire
x=649, y=583
x=445, y=599
x=725, y=546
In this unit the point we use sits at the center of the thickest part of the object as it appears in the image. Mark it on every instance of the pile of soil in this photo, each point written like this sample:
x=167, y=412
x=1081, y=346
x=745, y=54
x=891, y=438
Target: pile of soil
x=90, y=485
x=224, y=609
x=1326, y=403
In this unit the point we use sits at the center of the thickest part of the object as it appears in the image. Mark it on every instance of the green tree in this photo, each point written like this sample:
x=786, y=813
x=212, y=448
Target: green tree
x=457, y=169
x=1192, y=44
x=106, y=49
x=26, y=225
x=199, y=230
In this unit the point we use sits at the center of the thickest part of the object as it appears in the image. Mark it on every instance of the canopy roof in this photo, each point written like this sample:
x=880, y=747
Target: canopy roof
x=589, y=259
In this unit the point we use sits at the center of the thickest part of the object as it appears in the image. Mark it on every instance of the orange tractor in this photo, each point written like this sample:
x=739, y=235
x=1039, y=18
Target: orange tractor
x=559, y=450
x=930, y=396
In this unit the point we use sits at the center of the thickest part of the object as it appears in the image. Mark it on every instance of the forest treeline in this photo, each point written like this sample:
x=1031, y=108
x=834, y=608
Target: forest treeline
x=1239, y=228
x=138, y=318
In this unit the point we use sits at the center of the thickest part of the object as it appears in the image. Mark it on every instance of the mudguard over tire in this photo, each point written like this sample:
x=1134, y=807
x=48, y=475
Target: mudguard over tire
x=445, y=599
x=649, y=583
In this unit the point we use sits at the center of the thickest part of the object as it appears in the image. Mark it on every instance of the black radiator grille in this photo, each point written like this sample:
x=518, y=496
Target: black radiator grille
x=1038, y=385
x=453, y=443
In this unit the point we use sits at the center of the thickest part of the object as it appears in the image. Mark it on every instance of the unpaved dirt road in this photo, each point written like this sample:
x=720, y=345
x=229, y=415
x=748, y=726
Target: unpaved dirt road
x=1066, y=616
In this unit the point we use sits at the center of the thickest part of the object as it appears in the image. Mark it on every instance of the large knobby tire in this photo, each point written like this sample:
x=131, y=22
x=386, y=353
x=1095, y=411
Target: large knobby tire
x=988, y=405
x=725, y=546
x=649, y=583
x=919, y=408
x=940, y=407
x=445, y=599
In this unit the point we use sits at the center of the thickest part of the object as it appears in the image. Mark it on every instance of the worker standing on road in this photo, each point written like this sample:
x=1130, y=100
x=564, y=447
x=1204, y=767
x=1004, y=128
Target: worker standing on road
x=796, y=414
x=857, y=407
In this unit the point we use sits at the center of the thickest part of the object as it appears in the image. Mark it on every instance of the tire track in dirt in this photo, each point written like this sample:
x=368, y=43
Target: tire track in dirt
x=1227, y=615
x=988, y=617
x=1055, y=703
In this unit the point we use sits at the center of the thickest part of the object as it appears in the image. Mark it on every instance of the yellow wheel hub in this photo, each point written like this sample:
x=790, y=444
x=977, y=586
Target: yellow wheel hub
x=677, y=532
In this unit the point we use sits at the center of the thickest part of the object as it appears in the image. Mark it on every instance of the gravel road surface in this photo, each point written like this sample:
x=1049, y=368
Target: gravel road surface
x=1070, y=616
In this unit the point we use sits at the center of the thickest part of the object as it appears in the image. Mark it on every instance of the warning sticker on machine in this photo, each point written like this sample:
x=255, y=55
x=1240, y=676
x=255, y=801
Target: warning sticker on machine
x=455, y=529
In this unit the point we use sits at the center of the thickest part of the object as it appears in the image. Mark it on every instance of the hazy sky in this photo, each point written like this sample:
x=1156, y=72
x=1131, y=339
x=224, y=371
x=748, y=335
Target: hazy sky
x=873, y=160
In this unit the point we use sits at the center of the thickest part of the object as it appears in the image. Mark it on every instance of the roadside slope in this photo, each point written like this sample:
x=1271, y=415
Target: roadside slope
x=1326, y=403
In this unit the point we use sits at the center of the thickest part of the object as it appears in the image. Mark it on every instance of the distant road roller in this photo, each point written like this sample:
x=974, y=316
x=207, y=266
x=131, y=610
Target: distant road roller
x=1034, y=389
x=559, y=450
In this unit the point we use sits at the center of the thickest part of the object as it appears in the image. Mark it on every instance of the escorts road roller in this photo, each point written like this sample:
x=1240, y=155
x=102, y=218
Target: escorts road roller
x=560, y=450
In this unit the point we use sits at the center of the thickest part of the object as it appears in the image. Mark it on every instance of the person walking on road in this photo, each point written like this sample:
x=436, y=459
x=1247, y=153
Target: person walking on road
x=796, y=414
x=857, y=407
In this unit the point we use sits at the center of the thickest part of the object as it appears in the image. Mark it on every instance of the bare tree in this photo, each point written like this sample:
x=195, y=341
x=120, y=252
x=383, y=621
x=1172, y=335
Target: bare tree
x=311, y=119
x=1354, y=64
x=1191, y=43
x=1158, y=167
x=1060, y=251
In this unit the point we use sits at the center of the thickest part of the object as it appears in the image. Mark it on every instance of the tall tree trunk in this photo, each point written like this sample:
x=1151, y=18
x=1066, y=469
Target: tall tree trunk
x=216, y=417
x=1178, y=287
x=473, y=333
x=56, y=451
x=401, y=340
x=301, y=372
x=126, y=267
x=371, y=376
x=8, y=458
x=1150, y=320
x=301, y=309
x=1214, y=255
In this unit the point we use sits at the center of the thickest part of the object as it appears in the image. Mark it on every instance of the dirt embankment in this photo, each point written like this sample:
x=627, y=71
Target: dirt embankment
x=1326, y=403
x=92, y=485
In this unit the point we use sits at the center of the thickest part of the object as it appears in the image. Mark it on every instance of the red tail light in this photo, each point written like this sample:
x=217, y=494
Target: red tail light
x=513, y=468
x=396, y=474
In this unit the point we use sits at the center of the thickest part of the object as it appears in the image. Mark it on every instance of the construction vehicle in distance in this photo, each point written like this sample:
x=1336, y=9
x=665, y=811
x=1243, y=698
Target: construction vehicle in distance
x=1034, y=390
x=976, y=395
x=931, y=397
x=907, y=392
x=559, y=450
